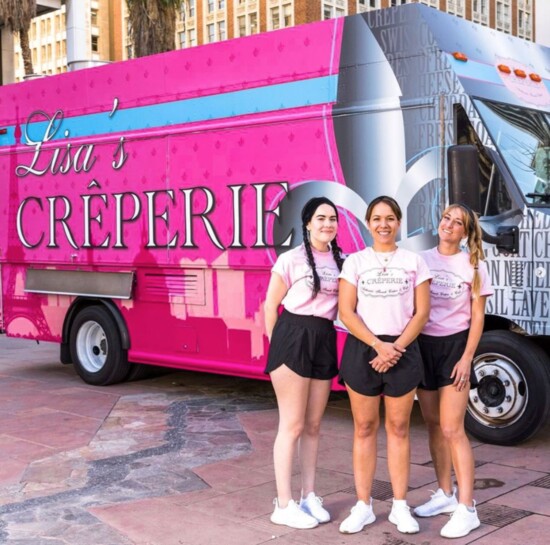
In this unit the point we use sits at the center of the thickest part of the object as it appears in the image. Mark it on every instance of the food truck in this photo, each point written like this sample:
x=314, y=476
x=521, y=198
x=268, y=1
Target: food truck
x=143, y=203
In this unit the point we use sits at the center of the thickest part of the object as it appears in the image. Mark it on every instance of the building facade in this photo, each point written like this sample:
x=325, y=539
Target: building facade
x=48, y=38
x=206, y=21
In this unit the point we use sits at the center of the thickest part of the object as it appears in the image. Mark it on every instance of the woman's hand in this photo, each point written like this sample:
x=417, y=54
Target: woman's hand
x=379, y=365
x=389, y=352
x=276, y=292
x=461, y=373
x=388, y=355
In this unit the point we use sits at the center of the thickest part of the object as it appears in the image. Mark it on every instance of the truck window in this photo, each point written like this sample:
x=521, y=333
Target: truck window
x=522, y=137
x=495, y=198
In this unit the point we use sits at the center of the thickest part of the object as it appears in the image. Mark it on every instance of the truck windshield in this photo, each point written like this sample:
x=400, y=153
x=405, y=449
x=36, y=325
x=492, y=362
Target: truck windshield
x=522, y=137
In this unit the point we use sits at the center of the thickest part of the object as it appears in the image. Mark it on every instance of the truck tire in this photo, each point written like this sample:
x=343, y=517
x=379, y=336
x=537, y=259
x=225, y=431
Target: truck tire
x=512, y=400
x=96, y=349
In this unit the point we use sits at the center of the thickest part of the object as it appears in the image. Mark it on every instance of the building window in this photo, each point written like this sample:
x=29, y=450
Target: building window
x=275, y=20
x=366, y=5
x=221, y=4
x=431, y=3
x=222, y=34
x=281, y=14
x=211, y=32
x=211, y=4
x=333, y=8
x=93, y=17
x=456, y=7
x=397, y=2
x=95, y=44
x=242, y=25
x=192, y=34
x=191, y=7
x=181, y=37
x=253, y=22
x=480, y=11
x=503, y=16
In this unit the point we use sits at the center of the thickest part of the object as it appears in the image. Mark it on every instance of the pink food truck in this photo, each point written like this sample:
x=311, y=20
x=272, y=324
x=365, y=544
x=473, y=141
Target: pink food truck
x=143, y=203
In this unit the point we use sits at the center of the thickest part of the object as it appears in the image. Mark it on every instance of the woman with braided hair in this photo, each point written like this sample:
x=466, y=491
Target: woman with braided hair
x=302, y=356
x=448, y=342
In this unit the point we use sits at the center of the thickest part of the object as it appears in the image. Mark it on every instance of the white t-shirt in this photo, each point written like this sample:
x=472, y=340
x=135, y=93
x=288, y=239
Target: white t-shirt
x=294, y=269
x=451, y=291
x=385, y=290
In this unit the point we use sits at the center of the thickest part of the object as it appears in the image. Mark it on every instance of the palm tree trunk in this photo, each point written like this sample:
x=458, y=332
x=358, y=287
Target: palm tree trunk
x=26, y=52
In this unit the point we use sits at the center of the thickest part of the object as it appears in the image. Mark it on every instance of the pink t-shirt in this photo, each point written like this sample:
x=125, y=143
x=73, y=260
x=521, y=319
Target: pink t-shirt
x=385, y=290
x=451, y=291
x=294, y=269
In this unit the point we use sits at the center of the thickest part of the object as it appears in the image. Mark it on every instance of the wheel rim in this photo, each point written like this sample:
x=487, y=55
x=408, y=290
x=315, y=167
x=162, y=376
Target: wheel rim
x=501, y=396
x=91, y=346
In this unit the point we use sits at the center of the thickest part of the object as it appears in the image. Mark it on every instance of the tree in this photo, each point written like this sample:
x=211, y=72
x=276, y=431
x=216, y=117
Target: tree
x=152, y=25
x=17, y=15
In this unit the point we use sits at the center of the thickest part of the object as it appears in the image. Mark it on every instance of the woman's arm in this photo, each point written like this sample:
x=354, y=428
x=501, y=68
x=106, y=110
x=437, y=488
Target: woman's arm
x=276, y=292
x=347, y=304
x=420, y=317
x=463, y=366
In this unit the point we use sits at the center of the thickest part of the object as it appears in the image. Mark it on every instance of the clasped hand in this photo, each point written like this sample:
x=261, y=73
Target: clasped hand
x=388, y=354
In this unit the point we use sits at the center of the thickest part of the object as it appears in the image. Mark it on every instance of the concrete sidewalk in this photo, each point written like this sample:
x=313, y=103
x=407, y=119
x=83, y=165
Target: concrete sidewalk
x=185, y=458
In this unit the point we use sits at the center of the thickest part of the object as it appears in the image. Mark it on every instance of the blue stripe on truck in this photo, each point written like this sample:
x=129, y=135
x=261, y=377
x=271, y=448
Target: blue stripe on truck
x=280, y=96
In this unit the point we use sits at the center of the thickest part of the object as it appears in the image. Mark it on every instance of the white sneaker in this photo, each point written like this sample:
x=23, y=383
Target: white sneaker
x=313, y=505
x=400, y=515
x=292, y=516
x=437, y=504
x=462, y=522
x=361, y=515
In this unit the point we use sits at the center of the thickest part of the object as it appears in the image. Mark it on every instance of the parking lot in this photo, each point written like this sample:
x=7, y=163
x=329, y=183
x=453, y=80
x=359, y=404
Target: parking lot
x=185, y=458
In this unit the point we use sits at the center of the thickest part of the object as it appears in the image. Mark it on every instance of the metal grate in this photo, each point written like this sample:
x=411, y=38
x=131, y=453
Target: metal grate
x=381, y=490
x=500, y=515
x=390, y=540
x=543, y=482
x=477, y=463
x=187, y=286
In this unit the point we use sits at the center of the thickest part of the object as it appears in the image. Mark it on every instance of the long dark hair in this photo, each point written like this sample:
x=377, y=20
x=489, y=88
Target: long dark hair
x=307, y=214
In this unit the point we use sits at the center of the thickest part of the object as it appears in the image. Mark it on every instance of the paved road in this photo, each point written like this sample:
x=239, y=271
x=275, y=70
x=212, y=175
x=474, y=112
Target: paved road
x=185, y=458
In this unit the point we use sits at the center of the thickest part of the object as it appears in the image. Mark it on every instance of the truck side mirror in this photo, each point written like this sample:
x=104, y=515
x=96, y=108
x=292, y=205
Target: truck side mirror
x=465, y=188
x=463, y=173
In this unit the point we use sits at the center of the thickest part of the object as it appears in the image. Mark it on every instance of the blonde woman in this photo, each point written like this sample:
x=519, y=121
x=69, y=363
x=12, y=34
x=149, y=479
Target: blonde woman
x=448, y=342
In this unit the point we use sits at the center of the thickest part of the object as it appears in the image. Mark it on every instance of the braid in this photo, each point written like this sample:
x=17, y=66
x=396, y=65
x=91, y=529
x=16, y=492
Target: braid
x=311, y=261
x=476, y=254
x=337, y=253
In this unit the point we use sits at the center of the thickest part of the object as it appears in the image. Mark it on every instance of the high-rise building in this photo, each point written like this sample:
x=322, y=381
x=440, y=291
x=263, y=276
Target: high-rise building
x=206, y=21
x=48, y=37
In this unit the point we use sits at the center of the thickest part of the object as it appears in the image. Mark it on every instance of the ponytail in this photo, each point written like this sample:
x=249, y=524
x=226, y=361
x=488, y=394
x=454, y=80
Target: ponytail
x=476, y=252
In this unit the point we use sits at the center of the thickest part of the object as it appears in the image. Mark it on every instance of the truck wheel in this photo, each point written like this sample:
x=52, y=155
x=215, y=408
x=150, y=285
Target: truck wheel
x=512, y=400
x=96, y=349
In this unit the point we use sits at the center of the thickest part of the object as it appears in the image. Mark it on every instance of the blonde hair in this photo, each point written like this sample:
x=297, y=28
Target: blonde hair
x=474, y=242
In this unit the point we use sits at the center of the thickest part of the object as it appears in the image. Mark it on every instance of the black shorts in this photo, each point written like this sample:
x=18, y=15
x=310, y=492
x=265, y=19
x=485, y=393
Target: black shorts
x=305, y=344
x=357, y=373
x=440, y=355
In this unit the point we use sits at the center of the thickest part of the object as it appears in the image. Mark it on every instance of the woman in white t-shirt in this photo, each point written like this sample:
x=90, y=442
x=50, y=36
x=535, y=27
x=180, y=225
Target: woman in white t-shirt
x=302, y=356
x=384, y=302
x=448, y=342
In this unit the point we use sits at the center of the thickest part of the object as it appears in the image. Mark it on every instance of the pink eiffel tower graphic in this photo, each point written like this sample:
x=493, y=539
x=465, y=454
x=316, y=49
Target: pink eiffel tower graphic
x=26, y=308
